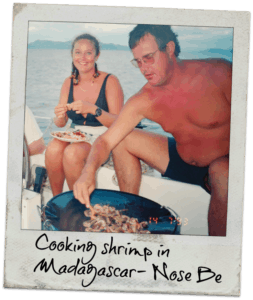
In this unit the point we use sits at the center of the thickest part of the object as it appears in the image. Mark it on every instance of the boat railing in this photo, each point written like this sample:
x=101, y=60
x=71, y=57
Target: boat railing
x=49, y=127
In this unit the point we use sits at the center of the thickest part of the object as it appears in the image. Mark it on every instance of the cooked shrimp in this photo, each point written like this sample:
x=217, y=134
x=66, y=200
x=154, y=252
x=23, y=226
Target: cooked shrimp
x=107, y=219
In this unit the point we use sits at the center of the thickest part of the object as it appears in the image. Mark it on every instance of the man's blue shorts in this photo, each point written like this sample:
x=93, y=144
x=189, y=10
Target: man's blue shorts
x=180, y=171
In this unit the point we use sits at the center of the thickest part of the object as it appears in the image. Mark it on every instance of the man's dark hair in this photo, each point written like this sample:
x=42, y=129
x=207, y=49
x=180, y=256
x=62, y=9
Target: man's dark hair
x=162, y=33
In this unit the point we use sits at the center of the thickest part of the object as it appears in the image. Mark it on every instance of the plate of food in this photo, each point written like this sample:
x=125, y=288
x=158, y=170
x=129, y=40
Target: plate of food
x=71, y=136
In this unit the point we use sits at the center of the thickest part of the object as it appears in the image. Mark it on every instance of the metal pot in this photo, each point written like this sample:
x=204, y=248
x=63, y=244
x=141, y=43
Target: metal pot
x=65, y=213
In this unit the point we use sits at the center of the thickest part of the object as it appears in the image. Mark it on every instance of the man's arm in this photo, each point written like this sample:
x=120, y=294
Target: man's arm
x=222, y=76
x=130, y=116
x=228, y=83
x=37, y=147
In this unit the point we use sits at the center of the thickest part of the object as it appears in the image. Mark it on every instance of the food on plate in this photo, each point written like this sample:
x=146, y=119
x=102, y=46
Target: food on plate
x=70, y=135
x=108, y=219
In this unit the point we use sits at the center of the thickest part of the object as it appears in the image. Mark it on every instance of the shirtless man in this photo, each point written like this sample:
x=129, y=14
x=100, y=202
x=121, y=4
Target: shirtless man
x=190, y=99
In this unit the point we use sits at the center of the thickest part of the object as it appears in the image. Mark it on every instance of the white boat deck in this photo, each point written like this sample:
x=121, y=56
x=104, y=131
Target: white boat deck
x=190, y=202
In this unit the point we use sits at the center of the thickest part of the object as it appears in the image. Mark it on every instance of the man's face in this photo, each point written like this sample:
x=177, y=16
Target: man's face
x=159, y=71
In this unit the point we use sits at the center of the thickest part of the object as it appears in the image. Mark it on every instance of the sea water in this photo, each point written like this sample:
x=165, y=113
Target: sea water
x=48, y=68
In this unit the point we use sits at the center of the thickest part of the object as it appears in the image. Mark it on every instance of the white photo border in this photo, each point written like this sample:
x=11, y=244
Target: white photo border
x=227, y=249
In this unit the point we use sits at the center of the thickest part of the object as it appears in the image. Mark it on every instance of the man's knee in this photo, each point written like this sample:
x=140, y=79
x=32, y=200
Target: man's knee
x=218, y=172
x=219, y=167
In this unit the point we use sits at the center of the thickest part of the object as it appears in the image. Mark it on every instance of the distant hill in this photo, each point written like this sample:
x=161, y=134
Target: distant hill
x=187, y=54
x=227, y=52
x=45, y=44
x=207, y=53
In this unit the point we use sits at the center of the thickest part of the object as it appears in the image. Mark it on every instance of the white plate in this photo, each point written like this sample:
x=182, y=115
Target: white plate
x=93, y=130
x=70, y=140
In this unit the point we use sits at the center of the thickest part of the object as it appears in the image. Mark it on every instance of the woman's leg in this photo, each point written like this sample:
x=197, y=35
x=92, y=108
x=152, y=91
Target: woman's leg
x=74, y=159
x=54, y=165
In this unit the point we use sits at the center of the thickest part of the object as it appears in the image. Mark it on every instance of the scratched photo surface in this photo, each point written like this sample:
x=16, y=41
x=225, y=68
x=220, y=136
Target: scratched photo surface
x=200, y=126
x=64, y=246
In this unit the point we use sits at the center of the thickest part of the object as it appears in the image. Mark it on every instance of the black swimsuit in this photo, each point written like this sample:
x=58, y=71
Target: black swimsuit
x=78, y=119
x=181, y=171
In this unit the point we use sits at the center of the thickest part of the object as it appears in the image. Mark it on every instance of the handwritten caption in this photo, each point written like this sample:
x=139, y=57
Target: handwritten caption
x=85, y=267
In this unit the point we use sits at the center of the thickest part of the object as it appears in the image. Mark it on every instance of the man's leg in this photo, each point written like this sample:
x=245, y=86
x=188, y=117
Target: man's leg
x=218, y=179
x=149, y=147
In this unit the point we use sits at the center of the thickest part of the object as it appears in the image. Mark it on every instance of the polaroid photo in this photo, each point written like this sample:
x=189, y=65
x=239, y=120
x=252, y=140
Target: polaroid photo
x=165, y=182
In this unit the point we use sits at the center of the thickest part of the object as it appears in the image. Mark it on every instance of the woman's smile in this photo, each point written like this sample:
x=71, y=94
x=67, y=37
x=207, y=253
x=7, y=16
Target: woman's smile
x=84, y=55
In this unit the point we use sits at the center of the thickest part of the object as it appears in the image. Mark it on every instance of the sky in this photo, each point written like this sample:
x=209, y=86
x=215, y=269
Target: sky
x=189, y=37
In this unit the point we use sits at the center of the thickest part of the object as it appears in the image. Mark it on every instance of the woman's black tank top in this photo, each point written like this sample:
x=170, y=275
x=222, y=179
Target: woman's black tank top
x=101, y=102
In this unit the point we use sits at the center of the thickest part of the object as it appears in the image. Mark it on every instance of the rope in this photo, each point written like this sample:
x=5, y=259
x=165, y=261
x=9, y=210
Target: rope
x=47, y=118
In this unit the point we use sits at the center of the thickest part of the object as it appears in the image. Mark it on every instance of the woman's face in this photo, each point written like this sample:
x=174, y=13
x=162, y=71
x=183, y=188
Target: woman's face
x=84, y=56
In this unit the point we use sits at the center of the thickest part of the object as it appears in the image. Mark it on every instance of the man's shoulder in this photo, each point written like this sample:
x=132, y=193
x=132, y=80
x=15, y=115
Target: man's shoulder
x=142, y=99
x=219, y=71
x=208, y=64
x=220, y=65
x=214, y=69
x=146, y=93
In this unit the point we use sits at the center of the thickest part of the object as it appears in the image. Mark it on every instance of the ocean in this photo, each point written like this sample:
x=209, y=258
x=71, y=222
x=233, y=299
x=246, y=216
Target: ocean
x=48, y=68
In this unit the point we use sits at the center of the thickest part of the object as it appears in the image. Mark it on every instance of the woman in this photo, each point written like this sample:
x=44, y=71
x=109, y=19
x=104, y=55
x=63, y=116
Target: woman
x=89, y=97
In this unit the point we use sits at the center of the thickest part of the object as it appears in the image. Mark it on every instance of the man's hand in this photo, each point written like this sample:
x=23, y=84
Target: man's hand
x=83, y=187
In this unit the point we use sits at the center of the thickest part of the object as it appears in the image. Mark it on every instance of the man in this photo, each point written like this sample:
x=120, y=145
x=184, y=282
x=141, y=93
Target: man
x=191, y=100
x=33, y=134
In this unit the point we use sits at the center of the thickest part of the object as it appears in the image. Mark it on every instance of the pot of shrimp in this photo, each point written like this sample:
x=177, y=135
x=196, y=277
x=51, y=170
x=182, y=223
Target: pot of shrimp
x=110, y=212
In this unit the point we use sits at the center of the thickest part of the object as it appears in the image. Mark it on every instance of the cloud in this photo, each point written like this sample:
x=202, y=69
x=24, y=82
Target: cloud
x=188, y=36
x=56, y=29
x=191, y=37
x=109, y=27
x=204, y=37
x=189, y=30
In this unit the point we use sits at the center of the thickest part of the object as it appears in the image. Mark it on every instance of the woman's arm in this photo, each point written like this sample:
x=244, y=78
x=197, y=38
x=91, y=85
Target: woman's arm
x=115, y=100
x=60, y=110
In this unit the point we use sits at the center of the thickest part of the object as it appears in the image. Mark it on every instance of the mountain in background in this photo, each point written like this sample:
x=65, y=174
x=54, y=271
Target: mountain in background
x=226, y=52
x=45, y=44
x=186, y=54
x=207, y=53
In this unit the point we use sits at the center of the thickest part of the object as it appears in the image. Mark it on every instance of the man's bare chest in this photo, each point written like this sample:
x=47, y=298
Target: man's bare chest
x=190, y=110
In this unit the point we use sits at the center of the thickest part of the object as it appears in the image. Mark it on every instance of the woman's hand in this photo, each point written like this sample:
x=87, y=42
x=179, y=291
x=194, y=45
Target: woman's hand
x=60, y=111
x=83, y=187
x=83, y=107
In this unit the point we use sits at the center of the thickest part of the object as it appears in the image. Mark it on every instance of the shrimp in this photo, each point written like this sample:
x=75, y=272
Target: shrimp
x=108, y=219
